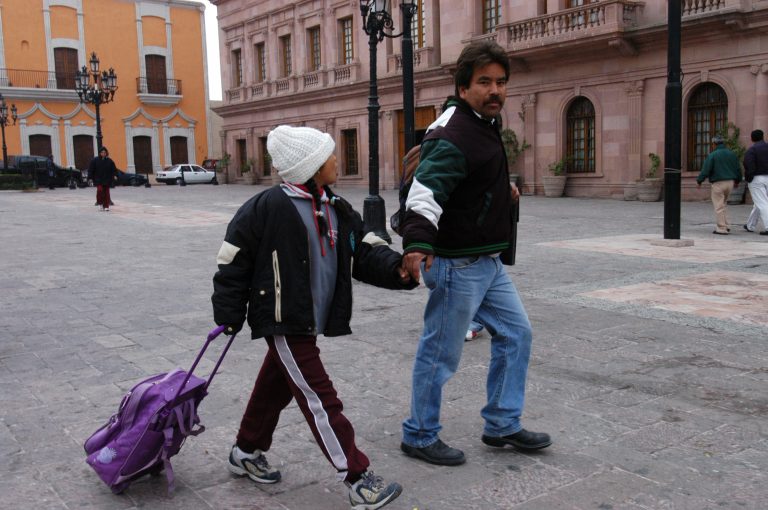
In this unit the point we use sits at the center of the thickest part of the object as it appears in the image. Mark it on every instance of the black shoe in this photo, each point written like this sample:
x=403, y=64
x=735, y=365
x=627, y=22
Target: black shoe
x=524, y=440
x=437, y=453
x=720, y=233
x=764, y=233
x=111, y=202
x=748, y=229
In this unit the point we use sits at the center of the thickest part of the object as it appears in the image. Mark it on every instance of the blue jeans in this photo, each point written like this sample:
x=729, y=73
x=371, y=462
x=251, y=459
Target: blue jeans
x=460, y=289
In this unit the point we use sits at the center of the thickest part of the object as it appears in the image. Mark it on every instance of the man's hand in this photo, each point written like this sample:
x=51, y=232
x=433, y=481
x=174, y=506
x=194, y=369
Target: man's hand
x=412, y=262
x=514, y=192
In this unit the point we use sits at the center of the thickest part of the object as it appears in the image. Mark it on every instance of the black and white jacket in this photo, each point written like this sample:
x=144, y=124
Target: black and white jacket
x=264, y=268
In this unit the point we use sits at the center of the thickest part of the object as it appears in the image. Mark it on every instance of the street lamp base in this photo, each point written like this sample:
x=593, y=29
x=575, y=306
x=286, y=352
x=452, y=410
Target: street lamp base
x=374, y=217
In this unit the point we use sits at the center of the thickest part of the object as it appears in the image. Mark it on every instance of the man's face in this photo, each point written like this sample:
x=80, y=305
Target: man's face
x=487, y=90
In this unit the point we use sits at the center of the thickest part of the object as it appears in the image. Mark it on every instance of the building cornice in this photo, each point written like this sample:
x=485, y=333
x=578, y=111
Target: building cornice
x=34, y=94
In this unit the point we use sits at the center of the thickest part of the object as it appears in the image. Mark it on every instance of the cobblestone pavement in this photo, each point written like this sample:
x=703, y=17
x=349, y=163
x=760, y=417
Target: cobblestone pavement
x=649, y=364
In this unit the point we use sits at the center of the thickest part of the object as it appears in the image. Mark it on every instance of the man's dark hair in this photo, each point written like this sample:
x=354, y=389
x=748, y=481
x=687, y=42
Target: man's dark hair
x=476, y=55
x=757, y=135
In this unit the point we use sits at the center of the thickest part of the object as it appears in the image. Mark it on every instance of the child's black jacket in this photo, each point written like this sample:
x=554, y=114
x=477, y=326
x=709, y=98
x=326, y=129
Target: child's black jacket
x=269, y=275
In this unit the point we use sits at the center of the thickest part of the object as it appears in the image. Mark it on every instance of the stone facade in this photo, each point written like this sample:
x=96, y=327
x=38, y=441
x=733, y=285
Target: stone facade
x=588, y=81
x=152, y=122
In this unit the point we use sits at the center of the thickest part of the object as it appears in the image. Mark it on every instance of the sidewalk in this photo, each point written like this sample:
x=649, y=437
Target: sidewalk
x=649, y=364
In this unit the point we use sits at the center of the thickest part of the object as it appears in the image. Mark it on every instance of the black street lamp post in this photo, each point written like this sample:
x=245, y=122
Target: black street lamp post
x=672, y=124
x=101, y=90
x=5, y=121
x=376, y=23
x=409, y=9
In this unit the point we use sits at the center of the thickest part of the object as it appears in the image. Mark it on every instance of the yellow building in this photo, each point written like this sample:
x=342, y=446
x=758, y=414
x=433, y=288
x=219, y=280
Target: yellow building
x=156, y=48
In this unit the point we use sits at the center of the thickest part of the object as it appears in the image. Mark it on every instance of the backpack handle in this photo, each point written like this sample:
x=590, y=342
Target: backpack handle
x=211, y=337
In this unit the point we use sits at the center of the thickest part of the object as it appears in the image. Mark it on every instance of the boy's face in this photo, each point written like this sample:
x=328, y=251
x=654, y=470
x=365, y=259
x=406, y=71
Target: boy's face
x=327, y=173
x=487, y=90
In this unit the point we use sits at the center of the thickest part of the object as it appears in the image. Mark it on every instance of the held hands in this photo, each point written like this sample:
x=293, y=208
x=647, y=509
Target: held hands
x=412, y=262
x=514, y=192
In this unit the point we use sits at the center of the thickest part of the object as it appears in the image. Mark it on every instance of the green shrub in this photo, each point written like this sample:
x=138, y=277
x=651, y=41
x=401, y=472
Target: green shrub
x=15, y=181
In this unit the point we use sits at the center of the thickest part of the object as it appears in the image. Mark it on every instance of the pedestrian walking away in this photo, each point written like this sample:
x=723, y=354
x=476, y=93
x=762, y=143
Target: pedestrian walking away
x=103, y=170
x=51, y=171
x=475, y=328
x=457, y=232
x=286, y=264
x=756, y=175
x=723, y=171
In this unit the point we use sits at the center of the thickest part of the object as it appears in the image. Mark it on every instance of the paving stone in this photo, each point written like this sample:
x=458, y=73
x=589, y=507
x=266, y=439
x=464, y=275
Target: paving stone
x=650, y=407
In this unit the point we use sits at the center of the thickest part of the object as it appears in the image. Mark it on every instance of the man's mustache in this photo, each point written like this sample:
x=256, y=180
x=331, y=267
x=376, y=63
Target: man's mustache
x=494, y=99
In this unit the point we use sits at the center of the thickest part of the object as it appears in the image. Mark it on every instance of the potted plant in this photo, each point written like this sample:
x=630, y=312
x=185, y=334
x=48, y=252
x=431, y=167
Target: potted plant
x=554, y=184
x=247, y=168
x=649, y=189
x=513, y=149
x=222, y=166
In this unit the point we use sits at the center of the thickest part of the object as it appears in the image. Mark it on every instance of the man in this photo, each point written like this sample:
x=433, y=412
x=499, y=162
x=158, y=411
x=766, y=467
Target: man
x=724, y=173
x=51, y=171
x=103, y=170
x=756, y=175
x=458, y=222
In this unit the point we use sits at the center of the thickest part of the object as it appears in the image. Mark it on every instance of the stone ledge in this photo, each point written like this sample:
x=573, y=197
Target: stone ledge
x=672, y=243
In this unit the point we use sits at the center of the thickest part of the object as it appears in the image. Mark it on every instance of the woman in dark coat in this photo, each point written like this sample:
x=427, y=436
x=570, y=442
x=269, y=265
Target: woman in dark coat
x=103, y=170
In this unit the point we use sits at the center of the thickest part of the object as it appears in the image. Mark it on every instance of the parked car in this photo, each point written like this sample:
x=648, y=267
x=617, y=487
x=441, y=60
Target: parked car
x=210, y=164
x=128, y=179
x=27, y=165
x=190, y=174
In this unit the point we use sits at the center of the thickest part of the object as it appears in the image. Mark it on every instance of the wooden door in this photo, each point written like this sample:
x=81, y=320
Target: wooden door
x=179, y=152
x=156, y=81
x=422, y=119
x=142, y=154
x=40, y=145
x=65, y=60
x=83, y=146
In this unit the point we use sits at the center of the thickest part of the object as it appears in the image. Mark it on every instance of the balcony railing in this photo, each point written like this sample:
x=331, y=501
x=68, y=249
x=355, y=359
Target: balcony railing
x=609, y=16
x=37, y=79
x=701, y=6
x=146, y=85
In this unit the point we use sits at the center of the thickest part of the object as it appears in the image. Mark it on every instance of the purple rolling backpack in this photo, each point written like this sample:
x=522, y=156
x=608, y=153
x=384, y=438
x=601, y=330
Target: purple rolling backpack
x=151, y=424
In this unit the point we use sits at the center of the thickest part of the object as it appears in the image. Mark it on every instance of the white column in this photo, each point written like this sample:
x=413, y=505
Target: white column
x=2, y=41
x=130, y=162
x=69, y=149
x=169, y=49
x=155, y=148
x=166, y=145
x=191, y=145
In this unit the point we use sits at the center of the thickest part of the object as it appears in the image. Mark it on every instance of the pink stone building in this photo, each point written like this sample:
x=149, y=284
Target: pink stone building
x=587, y=84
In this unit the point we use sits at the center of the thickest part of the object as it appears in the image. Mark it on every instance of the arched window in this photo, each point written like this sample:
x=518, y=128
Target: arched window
x=707, y=114
x=581, y=136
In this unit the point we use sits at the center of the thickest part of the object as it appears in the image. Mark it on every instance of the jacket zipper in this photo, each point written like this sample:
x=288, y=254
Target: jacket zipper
x=276, y=271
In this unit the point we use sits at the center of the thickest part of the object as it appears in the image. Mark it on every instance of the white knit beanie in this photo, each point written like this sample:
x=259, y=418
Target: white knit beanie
x=298, y=152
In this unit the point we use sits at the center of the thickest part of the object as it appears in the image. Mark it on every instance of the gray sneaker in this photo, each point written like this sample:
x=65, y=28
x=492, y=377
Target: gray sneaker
x=254, y=465
x=371, y=492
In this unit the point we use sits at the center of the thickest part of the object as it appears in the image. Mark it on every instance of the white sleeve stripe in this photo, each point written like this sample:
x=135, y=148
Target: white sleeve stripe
x=227, y=253
x=374, y=240
x=421, y=200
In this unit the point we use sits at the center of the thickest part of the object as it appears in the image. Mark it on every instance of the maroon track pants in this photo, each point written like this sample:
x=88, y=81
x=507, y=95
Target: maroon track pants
x=292, y=369
x=102, y=195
